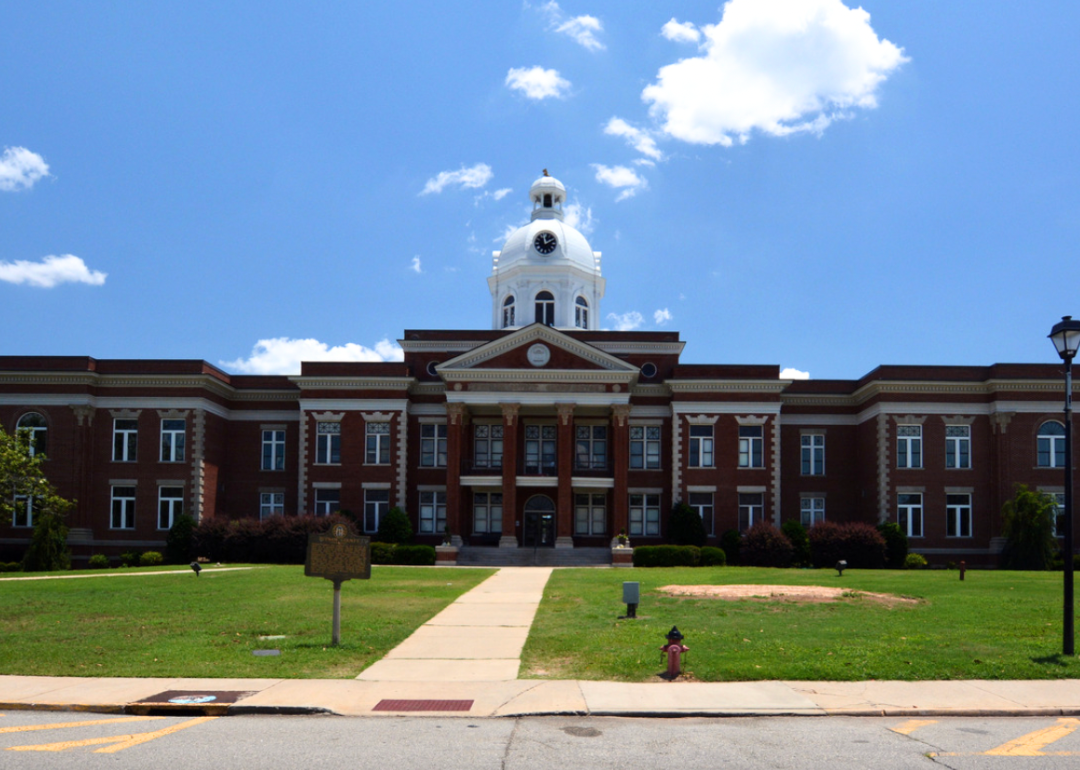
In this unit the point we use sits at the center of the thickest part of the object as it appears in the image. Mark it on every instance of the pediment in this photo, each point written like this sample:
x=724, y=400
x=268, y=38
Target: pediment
x=539, y=349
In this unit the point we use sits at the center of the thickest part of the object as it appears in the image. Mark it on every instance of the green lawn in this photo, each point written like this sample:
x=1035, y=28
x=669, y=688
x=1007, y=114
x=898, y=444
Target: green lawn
x=994, y=625
x=180, y=625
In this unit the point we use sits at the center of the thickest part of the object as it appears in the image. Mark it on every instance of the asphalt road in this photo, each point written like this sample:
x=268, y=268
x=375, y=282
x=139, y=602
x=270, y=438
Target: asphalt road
x=45, y=740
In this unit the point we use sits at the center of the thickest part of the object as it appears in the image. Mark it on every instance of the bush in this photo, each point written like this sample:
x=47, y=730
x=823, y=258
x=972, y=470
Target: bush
x=178, y=541
x=10, y=566
x=98, y=561
x=383, y=553
x=48, y=549
x=712, y=557
x=685, y=526
x=896, y=544
x=800, y=543
x=395, y=527
x=731, y=542
x=392, y=553
x=914, y=561
x=667, y=556
x=275, y=540
x=151, y=559
x=129, y=559
x=1029, y=530
x=765, y=546
x=860, y=545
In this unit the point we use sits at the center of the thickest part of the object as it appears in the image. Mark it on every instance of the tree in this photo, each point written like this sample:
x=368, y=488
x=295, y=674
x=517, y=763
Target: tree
x=1029, y=530
x=685, y=526
x=394, y=527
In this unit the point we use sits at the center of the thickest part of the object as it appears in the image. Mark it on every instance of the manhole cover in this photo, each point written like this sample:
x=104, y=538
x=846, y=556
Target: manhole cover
x=423, y=705
x=193, y=697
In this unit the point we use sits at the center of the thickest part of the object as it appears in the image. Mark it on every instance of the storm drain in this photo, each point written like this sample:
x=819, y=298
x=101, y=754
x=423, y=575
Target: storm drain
x=188, y=702
x=423, y=705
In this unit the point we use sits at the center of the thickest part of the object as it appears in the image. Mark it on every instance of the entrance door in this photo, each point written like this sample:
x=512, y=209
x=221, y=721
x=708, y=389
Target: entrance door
x=539, y=530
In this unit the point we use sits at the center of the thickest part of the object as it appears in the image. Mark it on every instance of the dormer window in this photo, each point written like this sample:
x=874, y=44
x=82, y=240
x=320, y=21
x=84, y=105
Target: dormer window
x=581, y=313
x=508, y=312
x=545, y=308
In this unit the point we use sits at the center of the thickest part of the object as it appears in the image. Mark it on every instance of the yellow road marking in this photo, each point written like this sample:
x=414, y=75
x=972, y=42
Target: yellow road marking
x=907, y=728
x=57, y=725
x=121, y=741
x=1031, y=745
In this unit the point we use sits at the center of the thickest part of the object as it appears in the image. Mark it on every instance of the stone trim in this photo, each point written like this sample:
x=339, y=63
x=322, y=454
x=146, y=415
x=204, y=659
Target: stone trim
x=326, y=485
x=883, y=468
x=198, y=464
x=83, y=414
x=751, y=419
x=302, y=464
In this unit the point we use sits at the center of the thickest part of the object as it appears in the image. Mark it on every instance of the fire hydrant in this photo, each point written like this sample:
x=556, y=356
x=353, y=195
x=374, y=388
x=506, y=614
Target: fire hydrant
x=674, y=650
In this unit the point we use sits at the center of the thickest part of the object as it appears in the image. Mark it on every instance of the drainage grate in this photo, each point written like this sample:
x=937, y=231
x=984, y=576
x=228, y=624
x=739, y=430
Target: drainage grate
x=423, y=705
x=196, y=697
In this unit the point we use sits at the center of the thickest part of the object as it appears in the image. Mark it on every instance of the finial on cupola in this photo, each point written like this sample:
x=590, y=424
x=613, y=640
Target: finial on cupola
x=545, y=172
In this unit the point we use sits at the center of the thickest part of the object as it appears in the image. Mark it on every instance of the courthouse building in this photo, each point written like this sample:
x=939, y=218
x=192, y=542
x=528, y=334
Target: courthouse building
x=543, y=431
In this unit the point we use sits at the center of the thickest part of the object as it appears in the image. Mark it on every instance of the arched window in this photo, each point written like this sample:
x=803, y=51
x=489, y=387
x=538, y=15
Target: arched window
x=1051, y=445
x=508, y=311
x=581, y=313
x=545, y=308
x=35, y=425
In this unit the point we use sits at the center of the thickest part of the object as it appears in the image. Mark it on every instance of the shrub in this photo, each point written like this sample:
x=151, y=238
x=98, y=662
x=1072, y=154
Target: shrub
x=178, y=541
x=896, y=544
x=1029, y=530
x=685, y=526
x=765, y=546
x=99, y=561
x=712, y=557
x=129, y=559
x=800, y=543
x=667, y=556
x=395, y=527
x=48, y=549
x=275, y=540
x=914, y=561
x=415, y=555
x=10, y=566
x=860, y=545
x=151, y=559
x=383, y=553
x=731, y=541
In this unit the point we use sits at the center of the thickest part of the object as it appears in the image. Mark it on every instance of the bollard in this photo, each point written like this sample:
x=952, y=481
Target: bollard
x=963, y=569
x=631, y=595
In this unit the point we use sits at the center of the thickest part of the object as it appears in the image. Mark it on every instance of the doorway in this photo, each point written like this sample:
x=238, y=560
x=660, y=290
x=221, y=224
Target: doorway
x=539, y=530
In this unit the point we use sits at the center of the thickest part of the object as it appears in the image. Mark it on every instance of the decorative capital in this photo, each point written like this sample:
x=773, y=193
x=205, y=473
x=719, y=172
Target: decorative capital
x=84, y=413
x=510, y=413
x=566, y=413
x=621, y=412
x=456, y=412
x=999, y=421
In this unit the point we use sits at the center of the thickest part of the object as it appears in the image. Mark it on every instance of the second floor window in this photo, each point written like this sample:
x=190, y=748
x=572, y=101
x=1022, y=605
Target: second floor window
x=751, y=446
x=591, y=447
x=125, y=440
x=540, y=449
x=909, y=446
x=487, y=445
x=433, y=446
x=328, y=443
x=645, y=447
x=813, y=454
x=1051, y=445
x=957, y=446
x=34, y=425
x=172, y=440
x=273, y=450
x=701, y=446
x=378, y=443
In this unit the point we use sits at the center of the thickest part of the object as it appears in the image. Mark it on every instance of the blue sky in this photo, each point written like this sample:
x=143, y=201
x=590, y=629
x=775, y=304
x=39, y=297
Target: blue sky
x=792, y=182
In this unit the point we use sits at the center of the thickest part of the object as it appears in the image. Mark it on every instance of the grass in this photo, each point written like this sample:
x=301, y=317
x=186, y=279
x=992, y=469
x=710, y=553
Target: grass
x=994, y=625
x=179, y=625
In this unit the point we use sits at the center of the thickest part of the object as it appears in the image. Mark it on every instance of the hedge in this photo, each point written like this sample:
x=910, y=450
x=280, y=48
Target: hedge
x=667, y=556
x=392, y=553
x=712, y=557
x=275, y=540
x=860, y=545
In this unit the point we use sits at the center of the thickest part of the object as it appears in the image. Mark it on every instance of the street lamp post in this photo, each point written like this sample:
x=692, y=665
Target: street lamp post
x=1066, y=338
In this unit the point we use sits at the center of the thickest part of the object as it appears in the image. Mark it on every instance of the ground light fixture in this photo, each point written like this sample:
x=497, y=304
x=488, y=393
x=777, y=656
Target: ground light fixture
x=1066, y=338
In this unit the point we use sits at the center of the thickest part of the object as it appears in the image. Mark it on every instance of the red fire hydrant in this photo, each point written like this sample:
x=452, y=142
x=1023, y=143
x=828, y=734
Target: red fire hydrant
x=674, y=650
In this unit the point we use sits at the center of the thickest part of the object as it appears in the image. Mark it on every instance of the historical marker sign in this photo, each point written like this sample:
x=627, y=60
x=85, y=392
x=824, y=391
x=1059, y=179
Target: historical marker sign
x=338, y=555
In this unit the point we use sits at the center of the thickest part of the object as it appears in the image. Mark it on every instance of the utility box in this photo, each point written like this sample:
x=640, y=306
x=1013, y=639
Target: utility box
x=631, y=592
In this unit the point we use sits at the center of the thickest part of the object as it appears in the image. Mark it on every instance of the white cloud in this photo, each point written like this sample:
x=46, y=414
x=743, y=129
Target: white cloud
x=282, y=355
x=661, y=317
x=579, y=217
x=582, y=29
x=537, y=82
x=620, y=177
x=466, y=178
x=50, y=271
x=793, y=374
x=640, y=140
x=500, y=194
x=20, y=168
x=680, y=32
x=415, y=267
x=776, y=66
x=627, y=321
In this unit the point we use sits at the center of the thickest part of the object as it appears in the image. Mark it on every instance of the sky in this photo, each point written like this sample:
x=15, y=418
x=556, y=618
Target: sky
x=814, y=184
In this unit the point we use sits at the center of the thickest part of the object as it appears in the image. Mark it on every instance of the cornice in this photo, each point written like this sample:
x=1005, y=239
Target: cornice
x=538, y=375
x=727, y=386
x=353, y=383
x=650, y=391
x=641, y=348
x=428, y=389
x=535, y=333
x=49, y=378
x=439, y=346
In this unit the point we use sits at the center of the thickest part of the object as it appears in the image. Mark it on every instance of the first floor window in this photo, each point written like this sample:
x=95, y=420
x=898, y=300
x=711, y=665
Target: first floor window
x=271, y=504
x=1059, y=513
x=751, y=446
x=432, y=512
x=170, y=506
x=327, y=501
x=813, y=454
x=378, y=443
x=957, y=446
x=24, y=511
x=328, y=443
x=433, y=446
x=487, y=513
x=909, y=446
x=702, y=503
x=811, y=511
x=273, y=450
x=172, y=440
x=909, y=514
x=701, y=446
x=376, y=505
x=644, y=447
x=487, y=445
x=125, y=440
x=590, y=514
x=591, y=448
x=123, y=508
x=645, y=515
x=751, y=510
x=958, y=515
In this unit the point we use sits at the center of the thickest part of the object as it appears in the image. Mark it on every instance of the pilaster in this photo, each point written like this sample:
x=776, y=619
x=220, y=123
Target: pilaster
x=564, y=512
x=509, y=472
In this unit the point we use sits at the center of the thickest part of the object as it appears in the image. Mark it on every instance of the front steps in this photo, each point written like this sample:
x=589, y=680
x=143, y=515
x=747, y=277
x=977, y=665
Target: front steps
x=480, y=556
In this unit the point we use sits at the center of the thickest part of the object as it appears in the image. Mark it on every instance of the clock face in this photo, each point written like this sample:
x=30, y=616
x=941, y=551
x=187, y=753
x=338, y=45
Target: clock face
x=545, y=243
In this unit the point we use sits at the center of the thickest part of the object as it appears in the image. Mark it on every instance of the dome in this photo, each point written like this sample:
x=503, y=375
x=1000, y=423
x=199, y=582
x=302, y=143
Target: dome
x=570, y=246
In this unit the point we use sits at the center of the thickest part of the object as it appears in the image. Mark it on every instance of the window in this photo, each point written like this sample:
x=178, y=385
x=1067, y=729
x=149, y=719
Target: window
x=125, y=440
x=271, y=504
x=645, y=447
x=591, y=448
x=751, y=510
x=813, y=454
x=545, y=308
x=34, y=424
x=487, y=513
x=24, y=511
x=909, y=514
x=327, y=443
x=487, y=445
x=909, y=446
x=751, y=446
x=172, y=440
x=432, y=512
x=123, y=508
x=1059, y=513
x=957, y=446
x=273, y=450
x=433, y=446
x=170, y=506
x=702, y=503
x=645, y=515
x=590, y=514
x=1051, y=442
x=958, y=515
x=508, y=311
x=540, y=450
x=811, y=511
x=701, y=446
x=327, y=501
x=376, y=505
x=378, y=443
x=581, y=313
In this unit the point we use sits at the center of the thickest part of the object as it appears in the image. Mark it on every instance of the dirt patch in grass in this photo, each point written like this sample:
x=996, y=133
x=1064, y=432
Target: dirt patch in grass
x=796, y=594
